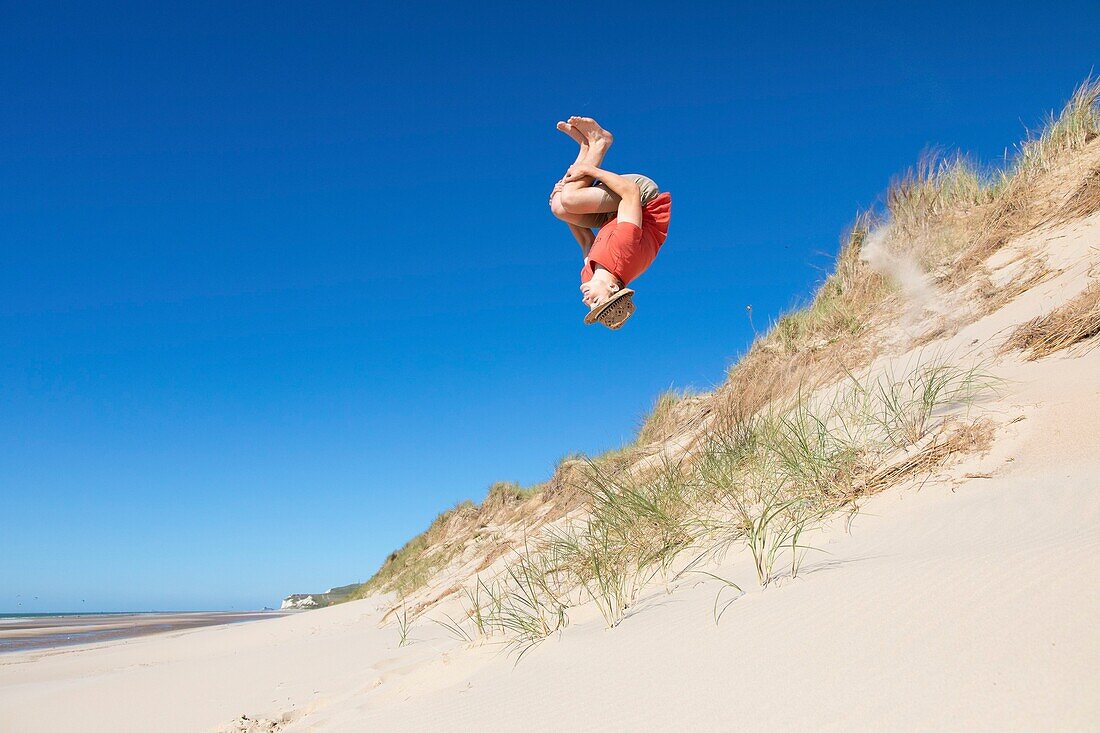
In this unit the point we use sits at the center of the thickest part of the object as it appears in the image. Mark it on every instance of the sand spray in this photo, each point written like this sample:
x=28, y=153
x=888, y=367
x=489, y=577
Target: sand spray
x=917, y=288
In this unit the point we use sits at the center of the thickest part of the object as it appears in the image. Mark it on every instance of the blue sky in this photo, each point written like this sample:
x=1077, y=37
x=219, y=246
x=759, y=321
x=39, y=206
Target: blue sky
x=278, y=283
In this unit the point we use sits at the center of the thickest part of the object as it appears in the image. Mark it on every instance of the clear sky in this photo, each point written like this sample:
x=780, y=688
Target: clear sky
x=278, y=282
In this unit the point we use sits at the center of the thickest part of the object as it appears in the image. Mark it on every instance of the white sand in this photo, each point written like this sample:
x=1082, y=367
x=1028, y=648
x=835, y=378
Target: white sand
x=961, y=604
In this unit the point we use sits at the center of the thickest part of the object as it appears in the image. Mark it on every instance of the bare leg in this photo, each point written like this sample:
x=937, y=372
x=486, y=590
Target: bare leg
x=580, y=196
x=582, y=140
x=627, y=190
x=585, y=220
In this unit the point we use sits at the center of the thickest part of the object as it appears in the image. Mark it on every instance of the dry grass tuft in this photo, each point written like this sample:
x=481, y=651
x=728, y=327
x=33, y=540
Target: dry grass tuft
x=503, y=495
x=1075, y=321
x=1064, y=134
x=932, y=207
x=1085, y=201
x=919, y=460
x=410, y=567
x=842, y=309
x=667, y=417
x=975, y=436
x=992, y=297
x=1017, y=199
x=814, y=346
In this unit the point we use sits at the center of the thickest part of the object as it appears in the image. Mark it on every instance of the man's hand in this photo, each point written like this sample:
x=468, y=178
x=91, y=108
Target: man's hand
x=578, y=171
x=556, y=190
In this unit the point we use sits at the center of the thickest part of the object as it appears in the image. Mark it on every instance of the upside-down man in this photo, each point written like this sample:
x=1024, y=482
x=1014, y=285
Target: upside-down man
x=630, y=212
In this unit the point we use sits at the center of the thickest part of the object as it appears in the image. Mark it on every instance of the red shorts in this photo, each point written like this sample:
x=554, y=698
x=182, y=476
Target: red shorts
x=627, y=250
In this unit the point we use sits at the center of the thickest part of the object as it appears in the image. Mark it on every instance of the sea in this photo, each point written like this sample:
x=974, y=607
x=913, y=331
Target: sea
x=21, y=632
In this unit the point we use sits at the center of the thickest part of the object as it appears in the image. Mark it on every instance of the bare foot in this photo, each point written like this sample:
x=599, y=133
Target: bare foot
x=597, y=136
x=573, y=133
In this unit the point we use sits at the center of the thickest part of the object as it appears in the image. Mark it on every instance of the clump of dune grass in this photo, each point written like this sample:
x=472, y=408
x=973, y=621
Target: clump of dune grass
x=777, y=530
x=901, y=407
x=590, y=559
x=404, y=624
x=1063, y=134
x=929, y=208
x=503, y=495
x=662, y=422
x=1085, y=201
x=805, y=447
x=635, y=528
x=765, y=481
x=1015, y=207
x=480, y=614
x=1077, y=320
x=407, y=569
x=771, y=527
x=644, y=514
x=454, y=628
x=526, y=606
x=483, y=612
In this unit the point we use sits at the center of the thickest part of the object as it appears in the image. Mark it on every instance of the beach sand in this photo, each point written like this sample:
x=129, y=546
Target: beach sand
x=967, y=601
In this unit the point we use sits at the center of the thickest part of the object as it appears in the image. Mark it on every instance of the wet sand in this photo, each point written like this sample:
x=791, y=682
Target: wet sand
x=47, y=632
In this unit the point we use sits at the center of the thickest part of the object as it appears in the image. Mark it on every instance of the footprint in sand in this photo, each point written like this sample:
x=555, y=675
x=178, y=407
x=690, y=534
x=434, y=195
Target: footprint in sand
x=248, y=724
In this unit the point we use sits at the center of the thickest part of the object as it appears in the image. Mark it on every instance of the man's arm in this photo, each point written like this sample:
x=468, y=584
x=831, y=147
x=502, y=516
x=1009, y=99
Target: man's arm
x=584, y=237
x=630, y=203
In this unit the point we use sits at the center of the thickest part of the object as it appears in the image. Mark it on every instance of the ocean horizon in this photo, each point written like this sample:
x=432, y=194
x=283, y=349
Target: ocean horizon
x=47, y=614
x=39, y=631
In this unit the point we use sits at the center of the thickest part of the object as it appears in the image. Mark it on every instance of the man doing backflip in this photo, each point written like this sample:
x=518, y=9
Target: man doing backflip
x=630, y=212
